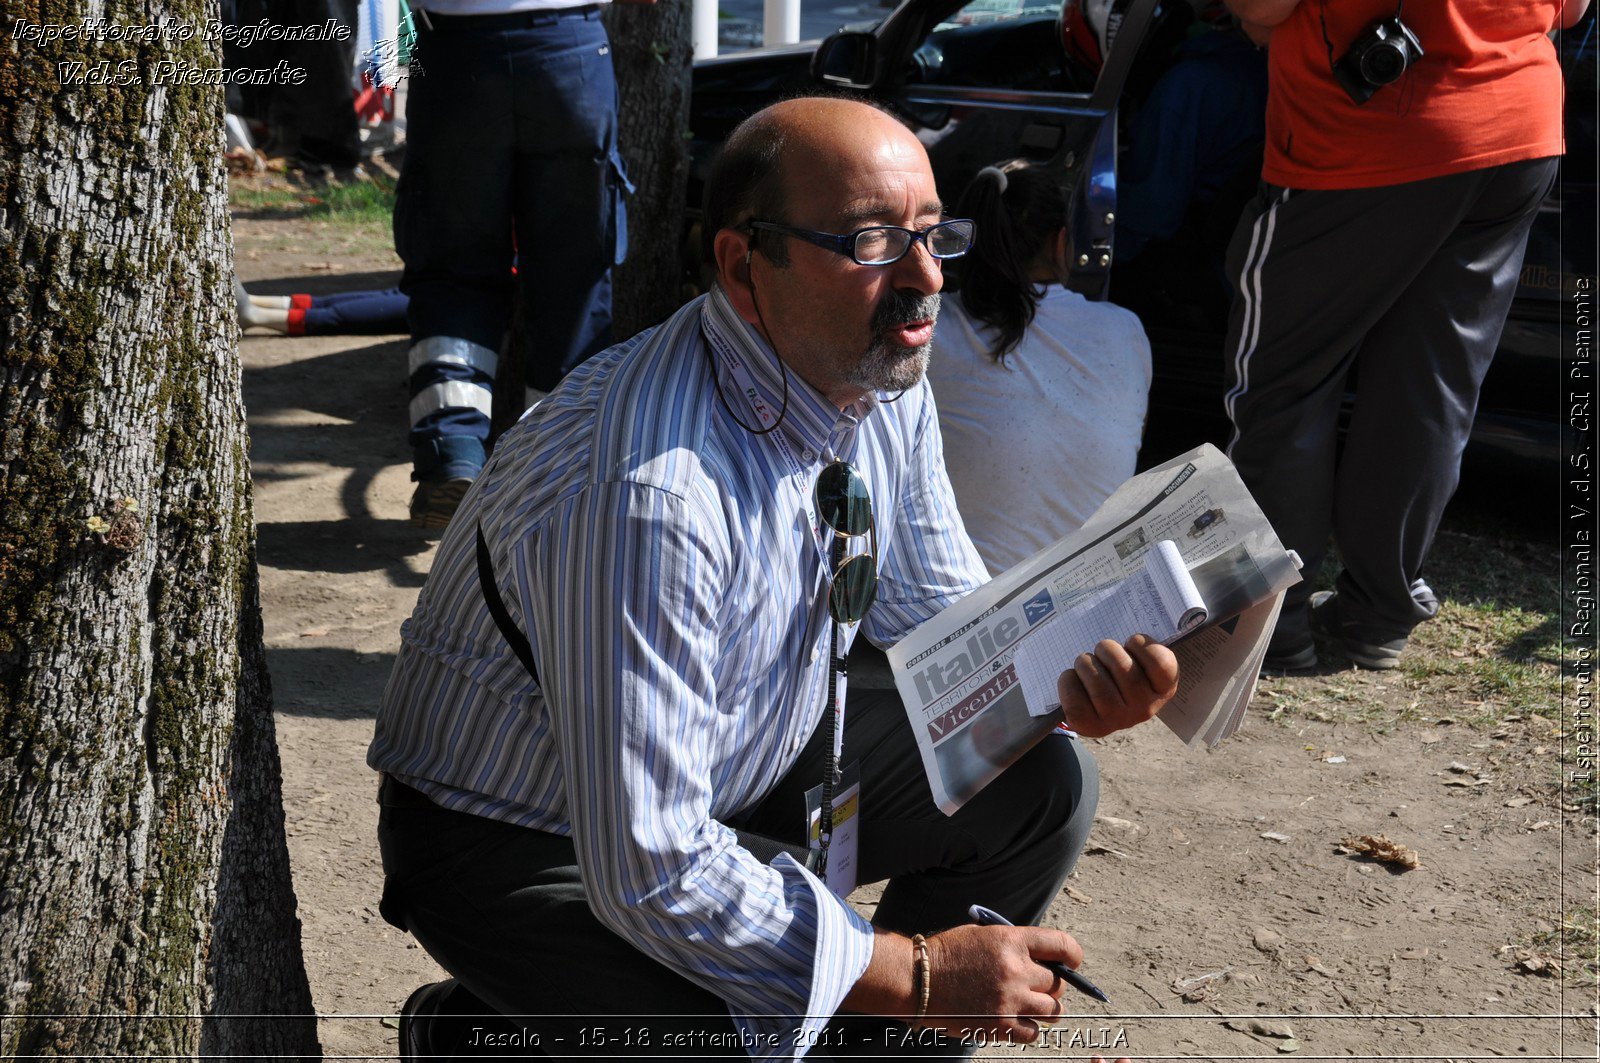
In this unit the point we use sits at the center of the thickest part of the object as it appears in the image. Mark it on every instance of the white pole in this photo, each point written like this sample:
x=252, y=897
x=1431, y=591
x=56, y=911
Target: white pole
x=703, y=29
x=780, y=22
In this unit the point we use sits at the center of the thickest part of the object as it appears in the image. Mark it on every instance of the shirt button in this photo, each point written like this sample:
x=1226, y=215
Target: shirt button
x=808, y=455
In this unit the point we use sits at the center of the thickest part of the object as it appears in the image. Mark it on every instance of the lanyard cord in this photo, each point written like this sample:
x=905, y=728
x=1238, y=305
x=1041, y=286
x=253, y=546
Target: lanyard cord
x=830, y=775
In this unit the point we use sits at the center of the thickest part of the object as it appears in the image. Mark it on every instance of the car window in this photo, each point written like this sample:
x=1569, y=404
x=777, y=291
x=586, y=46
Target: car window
x=980, y=12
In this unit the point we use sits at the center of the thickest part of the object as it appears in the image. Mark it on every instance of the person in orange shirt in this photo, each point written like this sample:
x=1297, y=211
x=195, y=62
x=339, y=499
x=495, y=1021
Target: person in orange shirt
x=1408, y=148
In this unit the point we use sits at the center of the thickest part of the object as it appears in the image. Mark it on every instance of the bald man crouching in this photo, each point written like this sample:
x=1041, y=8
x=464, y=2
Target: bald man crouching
x=686, y=533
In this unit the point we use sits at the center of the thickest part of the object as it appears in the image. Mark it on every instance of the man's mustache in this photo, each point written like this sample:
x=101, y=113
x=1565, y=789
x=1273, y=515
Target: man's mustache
x=902, y=308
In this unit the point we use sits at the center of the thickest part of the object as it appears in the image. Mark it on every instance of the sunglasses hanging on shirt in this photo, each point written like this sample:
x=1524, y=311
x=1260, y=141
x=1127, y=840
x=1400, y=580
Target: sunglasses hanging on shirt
x=845, y=506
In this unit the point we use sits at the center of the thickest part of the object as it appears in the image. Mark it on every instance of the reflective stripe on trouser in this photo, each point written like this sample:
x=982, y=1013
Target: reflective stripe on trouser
x=451, y=395
x=449, y=350
x=452, y=399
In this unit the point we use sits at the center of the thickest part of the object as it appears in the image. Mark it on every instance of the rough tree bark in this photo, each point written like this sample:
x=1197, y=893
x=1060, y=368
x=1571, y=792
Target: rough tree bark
x=650, y=47
x=144, y=877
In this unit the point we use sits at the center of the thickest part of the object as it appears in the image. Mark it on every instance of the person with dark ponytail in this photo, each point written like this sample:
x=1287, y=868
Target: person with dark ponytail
x=1041, y=392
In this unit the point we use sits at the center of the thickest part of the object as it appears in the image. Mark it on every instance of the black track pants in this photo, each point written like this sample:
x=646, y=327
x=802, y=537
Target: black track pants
x=1409, y=284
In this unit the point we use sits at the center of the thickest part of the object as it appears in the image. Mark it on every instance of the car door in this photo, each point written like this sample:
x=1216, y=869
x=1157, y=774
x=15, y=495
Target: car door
x=978, y=80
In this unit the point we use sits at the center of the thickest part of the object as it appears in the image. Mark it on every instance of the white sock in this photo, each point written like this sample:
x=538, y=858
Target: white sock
x=252, y=315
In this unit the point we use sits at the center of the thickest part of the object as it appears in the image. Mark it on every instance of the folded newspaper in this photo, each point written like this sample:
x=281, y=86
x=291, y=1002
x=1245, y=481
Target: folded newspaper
x=961, y=674
x=1159, y=600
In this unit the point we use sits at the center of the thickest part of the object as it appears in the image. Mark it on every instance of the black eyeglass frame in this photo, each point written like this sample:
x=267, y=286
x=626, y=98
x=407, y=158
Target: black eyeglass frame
x=845, y=244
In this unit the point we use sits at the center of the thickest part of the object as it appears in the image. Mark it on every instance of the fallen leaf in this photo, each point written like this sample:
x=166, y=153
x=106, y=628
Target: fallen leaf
x=1081, y=898
x=1543, y=824
x=1518, y=802
x=1377, y=847
x=1315, y=964
x=1274, y=836
x=1119, y=824
x=1530, y=962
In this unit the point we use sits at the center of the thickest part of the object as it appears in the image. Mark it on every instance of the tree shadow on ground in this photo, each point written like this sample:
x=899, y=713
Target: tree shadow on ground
x=345, y=408
x=328, y=682
x=324, y=283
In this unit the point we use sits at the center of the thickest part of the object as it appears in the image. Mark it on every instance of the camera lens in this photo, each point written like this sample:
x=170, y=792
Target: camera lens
x=1383, y=62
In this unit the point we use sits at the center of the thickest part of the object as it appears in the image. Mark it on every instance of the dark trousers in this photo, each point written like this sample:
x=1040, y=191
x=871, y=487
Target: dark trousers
x=366, y=313
x=502, y=908
x=1409, y=285
x=511, y=155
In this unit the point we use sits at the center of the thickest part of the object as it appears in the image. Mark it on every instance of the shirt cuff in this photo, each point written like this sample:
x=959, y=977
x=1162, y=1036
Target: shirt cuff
x=843, y=950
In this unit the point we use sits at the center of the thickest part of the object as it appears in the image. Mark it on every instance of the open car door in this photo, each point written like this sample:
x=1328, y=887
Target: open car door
x=978, y=94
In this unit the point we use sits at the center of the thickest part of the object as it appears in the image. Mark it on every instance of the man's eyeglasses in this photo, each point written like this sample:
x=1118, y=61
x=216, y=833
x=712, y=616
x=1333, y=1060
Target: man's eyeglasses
x=882, y=245
x=845, y=506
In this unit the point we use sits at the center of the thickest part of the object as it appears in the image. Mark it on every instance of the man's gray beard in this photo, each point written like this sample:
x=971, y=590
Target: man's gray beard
x=889, y=368
x=886, y=368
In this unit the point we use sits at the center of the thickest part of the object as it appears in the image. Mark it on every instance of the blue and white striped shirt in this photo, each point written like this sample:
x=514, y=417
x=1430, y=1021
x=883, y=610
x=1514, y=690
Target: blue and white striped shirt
x=662, y=562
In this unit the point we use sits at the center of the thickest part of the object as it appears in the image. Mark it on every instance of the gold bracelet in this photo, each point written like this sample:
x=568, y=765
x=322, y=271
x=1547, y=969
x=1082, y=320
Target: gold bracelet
x=922, y=976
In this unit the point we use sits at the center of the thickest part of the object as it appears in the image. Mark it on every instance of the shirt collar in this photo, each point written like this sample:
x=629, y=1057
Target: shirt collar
x=811, y=420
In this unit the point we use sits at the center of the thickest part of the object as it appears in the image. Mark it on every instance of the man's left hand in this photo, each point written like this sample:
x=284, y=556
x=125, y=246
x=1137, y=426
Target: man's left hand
x=1117, y=686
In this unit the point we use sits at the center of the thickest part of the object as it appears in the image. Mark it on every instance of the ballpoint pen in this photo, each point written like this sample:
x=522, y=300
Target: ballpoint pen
x=986, y=917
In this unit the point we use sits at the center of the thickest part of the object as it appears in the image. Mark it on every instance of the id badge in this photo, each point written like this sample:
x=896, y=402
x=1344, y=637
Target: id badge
x=841, y=871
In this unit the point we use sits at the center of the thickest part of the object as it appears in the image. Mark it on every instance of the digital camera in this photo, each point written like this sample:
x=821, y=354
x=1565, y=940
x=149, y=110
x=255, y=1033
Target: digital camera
x=1385, y=50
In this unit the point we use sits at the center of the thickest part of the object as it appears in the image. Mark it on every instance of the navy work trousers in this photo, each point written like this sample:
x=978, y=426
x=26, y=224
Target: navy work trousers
x=511, y=157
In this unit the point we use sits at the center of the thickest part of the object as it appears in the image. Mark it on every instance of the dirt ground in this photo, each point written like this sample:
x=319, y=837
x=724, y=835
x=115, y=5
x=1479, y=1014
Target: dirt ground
x=1212, y=904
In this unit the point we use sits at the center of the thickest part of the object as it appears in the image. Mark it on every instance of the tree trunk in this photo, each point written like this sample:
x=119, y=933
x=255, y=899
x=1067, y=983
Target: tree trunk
x=651, y=49
x=144, y=879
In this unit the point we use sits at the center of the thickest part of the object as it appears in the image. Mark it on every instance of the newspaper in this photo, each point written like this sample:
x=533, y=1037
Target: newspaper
x=957, y=673
x=1159, y=600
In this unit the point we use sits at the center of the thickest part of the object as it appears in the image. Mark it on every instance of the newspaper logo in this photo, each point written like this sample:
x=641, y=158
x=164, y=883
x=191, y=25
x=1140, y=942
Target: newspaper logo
x=1038, y=607
x=972, y=705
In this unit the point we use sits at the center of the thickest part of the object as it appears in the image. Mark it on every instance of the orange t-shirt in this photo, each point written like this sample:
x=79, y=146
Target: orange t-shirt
x=1487, y=91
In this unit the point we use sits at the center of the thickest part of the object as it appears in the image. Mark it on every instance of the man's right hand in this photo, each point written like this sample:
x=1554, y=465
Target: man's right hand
x=990, y=979
x=984, y=981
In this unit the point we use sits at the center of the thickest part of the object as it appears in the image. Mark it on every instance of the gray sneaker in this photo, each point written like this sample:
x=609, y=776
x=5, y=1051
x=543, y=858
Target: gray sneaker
x=1363, y=648
x=436, y=501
